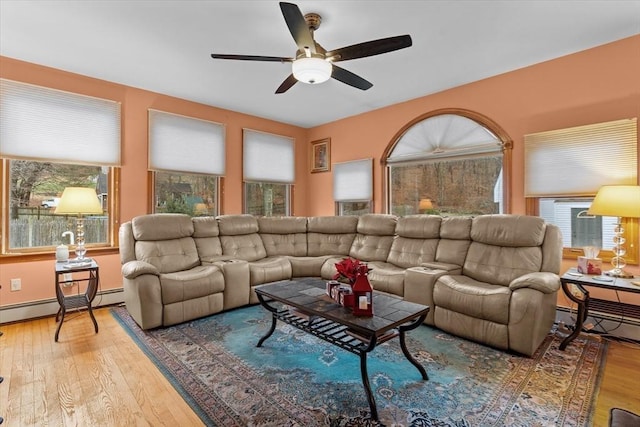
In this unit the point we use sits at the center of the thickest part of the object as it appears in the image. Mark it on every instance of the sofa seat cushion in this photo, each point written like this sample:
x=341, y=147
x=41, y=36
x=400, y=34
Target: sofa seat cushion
x=189, y=284
x=270, y=269
x=480, y=300
x=387, y=277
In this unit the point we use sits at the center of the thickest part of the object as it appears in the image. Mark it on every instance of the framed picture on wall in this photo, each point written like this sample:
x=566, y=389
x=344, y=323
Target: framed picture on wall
x=321, y=155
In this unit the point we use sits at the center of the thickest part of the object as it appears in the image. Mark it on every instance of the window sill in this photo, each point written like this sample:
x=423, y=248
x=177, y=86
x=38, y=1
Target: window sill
x=15, y=258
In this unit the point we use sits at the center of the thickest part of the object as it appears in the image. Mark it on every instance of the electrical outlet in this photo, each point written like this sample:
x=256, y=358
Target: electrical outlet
x=16, y=285
x=68, y=277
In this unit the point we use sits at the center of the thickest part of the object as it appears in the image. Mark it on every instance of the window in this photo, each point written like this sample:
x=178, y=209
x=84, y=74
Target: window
x=266, y=199
x=578, y=229
x=268, y=172
x=353, y=187
x=449, y=162
x=565, y=168
x=191, y=194
x=187, y=158
x=35, y=190
x=51, y=140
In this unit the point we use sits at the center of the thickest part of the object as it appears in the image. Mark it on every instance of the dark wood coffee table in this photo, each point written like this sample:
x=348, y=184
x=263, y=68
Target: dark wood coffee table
x=309, y=308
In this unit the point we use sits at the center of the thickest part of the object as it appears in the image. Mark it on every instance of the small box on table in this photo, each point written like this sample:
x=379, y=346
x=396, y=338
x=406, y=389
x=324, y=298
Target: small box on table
x=589, y=265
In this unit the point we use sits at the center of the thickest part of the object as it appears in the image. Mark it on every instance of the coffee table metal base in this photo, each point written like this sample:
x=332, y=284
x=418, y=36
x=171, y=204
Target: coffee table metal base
x=341, y=336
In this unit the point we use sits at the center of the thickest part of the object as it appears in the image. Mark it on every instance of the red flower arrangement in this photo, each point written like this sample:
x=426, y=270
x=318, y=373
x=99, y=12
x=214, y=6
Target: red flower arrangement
x=348, y=269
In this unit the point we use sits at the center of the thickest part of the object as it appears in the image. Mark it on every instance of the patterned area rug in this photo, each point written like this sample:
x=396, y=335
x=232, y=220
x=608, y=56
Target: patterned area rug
x=295, y=379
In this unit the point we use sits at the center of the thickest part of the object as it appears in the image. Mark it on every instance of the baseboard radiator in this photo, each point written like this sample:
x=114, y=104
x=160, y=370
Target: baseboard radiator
x=49, y=307
x=600, y=322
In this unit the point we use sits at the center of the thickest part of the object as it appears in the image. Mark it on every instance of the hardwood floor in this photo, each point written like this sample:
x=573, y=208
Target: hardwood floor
x=104, y=379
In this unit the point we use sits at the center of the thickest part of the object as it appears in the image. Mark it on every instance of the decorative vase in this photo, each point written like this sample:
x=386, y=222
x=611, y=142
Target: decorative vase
x=362, y=293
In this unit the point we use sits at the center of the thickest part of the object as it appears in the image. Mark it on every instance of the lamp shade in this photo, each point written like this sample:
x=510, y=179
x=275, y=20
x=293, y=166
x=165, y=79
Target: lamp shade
x=79, y=201
x=425, y=204
x=311, y=70
x=617, y=200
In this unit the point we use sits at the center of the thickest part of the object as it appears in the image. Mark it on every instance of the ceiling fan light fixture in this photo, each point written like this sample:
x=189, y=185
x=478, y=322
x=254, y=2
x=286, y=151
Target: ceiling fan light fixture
x=311, y=70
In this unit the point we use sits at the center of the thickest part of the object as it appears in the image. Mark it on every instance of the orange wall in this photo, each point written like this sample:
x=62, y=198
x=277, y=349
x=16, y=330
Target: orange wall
x=592, y=86
x=37, y=277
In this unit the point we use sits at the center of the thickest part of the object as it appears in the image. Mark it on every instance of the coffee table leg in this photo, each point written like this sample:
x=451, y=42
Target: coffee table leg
x=367, y=386
x=410, y=358
x=273, y=320
x=403, y=345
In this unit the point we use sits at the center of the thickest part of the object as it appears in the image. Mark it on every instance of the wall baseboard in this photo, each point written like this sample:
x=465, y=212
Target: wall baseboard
x=616, y=326
x=49, y=307
x=603, y=323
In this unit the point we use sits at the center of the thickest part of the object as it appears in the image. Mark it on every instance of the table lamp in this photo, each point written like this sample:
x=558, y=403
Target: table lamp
x=79, y=201
x=621, y=201
x=425, y=205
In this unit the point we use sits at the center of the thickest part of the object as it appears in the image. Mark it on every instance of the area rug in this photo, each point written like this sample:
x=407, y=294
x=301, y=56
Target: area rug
x=294, y=379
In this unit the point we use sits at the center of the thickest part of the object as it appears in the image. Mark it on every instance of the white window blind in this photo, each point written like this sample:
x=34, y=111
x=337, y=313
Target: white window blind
x=444, y=136
x=185, y=144
x=579, y=160
x=38, y=123
x=268, y=157
x=353, y=181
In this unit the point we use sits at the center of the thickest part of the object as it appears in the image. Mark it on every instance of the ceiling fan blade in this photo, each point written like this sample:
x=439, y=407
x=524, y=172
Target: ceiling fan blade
x=286, y=84
x=370, y=48
x=252, y=57
x=298, y=26
x=349, y=78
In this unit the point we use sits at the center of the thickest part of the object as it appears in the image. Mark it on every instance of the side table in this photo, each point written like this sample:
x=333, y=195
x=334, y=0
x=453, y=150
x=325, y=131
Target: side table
x=88, y=272
x=585, y=302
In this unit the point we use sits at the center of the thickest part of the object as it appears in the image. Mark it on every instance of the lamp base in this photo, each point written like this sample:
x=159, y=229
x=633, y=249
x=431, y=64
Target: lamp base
x=618, y=272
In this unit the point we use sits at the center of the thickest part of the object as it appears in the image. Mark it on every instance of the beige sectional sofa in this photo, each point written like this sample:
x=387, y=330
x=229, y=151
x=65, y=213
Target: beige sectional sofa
x=490, y=278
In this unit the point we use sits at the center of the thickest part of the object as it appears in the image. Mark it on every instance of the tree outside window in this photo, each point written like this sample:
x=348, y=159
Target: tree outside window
x=191, y=194
x=267, y=199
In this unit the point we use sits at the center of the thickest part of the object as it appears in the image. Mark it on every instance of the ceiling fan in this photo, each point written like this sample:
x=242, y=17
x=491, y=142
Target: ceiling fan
x=312, y=63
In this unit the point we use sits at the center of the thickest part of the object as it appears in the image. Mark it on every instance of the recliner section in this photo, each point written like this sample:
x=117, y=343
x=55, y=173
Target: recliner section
x=491, y=278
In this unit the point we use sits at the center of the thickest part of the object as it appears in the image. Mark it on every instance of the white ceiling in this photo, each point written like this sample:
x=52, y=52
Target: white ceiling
x=164, y=46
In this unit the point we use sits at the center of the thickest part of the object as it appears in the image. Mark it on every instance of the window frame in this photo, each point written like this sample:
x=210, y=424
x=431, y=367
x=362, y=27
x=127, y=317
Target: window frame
x=343, y=173
x=48, y=252
x=74, y=147
x=497, y=130
x=573, y=138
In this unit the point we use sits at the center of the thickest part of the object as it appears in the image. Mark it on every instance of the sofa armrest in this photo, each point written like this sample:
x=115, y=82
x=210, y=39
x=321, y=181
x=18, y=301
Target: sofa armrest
x=133, y=269
x=543, y=281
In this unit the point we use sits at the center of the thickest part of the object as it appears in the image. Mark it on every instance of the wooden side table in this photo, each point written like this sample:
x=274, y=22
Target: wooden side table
x=585, y=302
x=89, y=273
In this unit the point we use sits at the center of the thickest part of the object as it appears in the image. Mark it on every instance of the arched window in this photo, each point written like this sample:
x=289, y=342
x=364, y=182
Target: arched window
x=449, y=162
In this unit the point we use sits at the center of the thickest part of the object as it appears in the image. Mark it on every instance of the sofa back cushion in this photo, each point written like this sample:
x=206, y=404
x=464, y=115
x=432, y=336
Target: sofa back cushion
x=416, y=242
x=169, y=256
x=161, y=226
x=284, y=235
x=165, y=241
x=330, y=235
x=504, y=247
x=374, y=238
x=455, y=238
x=207, y=237
x=239, y=237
